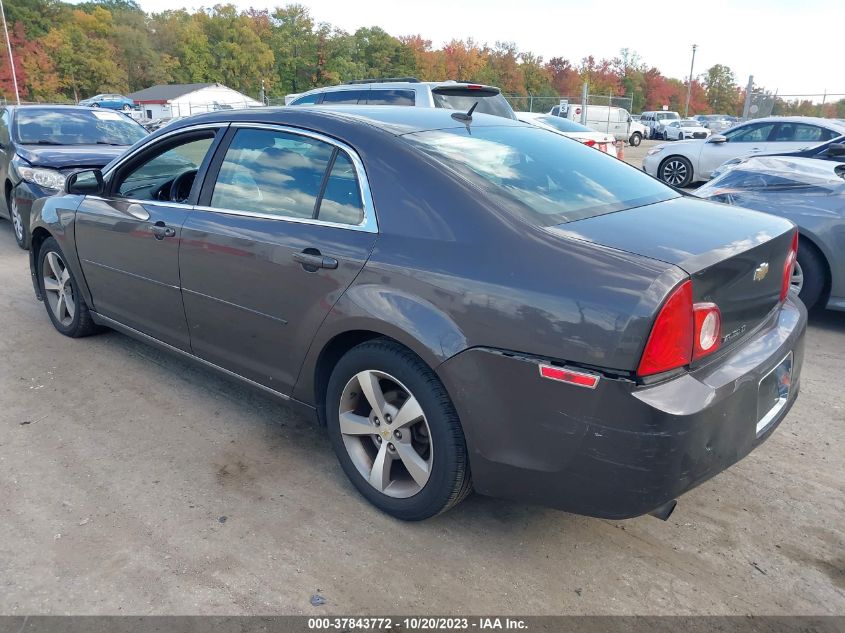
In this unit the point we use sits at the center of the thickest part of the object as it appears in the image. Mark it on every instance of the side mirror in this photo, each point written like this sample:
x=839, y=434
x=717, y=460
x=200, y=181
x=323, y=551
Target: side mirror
x=836, y=149
x=717, y=138
x=85, y=182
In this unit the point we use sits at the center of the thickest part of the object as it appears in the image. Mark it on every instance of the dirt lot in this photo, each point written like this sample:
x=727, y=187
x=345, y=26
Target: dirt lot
x=134, y=482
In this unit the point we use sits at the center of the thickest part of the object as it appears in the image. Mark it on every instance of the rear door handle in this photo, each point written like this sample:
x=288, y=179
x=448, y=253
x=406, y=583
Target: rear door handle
x=160, y=230
x=311, y=261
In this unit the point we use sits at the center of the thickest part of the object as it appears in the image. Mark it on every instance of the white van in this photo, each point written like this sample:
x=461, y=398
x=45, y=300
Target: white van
x=655, y=122
x=607, y=119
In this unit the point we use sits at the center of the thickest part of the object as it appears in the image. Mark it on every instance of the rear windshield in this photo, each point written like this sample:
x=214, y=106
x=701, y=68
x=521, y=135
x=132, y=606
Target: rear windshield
x=544, y=178
x=43, y=126
x=489, y=101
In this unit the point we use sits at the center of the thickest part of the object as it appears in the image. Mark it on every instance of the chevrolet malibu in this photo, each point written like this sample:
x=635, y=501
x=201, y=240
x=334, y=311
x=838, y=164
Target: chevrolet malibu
x=466, y=302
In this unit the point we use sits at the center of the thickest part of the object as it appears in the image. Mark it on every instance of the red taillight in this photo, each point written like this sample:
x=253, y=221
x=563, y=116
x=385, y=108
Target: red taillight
x=474, y=87
x=670, y=342
x=580, y=378
x=683, y=332
x=787, y=267
x=708, y=329
x=590, y=143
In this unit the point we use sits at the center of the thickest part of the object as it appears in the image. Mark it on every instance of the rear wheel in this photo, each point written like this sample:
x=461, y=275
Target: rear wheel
x=676, y=171
x=395, y=431
x=65, y=305
x=126, y=107
x=636, y=139
x=809, y=275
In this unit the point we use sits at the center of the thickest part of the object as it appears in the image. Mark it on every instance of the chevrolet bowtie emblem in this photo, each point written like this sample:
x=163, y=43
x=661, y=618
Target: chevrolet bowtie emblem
x=761, y=271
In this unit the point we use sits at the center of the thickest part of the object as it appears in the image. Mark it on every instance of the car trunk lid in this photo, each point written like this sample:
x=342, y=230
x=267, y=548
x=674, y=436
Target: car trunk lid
x=735, y=257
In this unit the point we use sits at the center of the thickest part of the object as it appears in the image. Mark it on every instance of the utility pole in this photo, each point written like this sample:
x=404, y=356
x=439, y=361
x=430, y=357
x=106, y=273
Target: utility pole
x=11, y=58
x=689, y=85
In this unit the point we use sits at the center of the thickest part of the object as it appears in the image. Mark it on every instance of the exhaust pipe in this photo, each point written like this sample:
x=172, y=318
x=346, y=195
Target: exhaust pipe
x=665, y=511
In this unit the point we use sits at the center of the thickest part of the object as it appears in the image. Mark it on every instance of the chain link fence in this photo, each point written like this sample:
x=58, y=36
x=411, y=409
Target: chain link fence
x=823, y=104
x=530, y=103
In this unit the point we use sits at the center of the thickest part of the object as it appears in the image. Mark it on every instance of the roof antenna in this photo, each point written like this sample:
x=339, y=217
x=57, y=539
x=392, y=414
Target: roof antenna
x=465, y=116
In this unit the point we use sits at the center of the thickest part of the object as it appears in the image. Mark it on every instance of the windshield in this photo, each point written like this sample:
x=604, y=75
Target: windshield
x=564, y=125
x=663, y=116
x=44, y=126
x=489, y=101
x=690, y=123
x=545, y=179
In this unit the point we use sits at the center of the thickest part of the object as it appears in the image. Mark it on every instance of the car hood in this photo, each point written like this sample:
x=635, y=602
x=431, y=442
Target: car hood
x=66, y=156
x=700, y=233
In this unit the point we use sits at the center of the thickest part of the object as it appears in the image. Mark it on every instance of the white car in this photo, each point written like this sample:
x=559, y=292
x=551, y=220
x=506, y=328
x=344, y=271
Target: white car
x=685, y=162
x=684, y=129
x=601, y=141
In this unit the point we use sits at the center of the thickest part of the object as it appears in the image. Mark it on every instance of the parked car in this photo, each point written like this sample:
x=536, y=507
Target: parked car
x=111, y=101
x=40, y=145
x=683, y=163
x=655, y=121
x=465, y=301
x=833, y=150
x=603, y=142
x=409, y=91
x=809, y=192
x=716, y=123
x=684, y=129
x=605, y=119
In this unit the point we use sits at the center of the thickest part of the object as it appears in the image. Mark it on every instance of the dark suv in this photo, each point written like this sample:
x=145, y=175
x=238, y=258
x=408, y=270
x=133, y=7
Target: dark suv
x=40, y=145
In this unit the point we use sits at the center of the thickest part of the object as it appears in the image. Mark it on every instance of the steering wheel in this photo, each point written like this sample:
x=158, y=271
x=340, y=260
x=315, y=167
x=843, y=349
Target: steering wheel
x=180, y=188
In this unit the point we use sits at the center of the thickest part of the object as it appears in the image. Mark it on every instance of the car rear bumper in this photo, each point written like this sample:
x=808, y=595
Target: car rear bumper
x=620, y=450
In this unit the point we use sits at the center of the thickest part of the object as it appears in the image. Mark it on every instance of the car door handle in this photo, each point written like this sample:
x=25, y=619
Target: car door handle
x=160, y=230
x=311, y=261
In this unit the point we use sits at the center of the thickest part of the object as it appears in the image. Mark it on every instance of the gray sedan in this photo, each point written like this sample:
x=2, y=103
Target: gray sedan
x=466, y=302
x=811, y=193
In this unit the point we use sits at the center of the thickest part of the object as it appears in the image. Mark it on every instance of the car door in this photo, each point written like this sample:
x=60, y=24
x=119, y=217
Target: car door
x=285, y=223
x=128, y=239
x=751, y=138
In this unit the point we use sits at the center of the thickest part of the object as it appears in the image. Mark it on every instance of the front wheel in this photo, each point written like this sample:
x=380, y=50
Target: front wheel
x=675, y=171
x=395, y=431
x=126, y=107
x=65, y=305
x=636, y=139
x=19, y=222
x=809, y=274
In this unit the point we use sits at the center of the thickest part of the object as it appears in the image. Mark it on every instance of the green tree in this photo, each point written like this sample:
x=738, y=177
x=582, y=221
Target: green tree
x=720, y=86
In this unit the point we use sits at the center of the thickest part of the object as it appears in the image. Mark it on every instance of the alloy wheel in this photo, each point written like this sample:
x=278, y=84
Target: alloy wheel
x=797, y=278
x=17, y=221
x=386, y=434
x=674, y=172
x=58, y=289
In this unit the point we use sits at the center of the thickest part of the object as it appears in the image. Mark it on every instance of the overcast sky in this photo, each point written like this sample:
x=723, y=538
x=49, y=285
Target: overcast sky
x=789, y=46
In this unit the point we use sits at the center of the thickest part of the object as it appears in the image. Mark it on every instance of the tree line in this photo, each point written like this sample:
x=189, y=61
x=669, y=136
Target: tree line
x=66, y=52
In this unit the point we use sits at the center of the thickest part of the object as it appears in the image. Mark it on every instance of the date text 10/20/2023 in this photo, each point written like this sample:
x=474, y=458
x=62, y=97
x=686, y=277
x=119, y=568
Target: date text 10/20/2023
x=416, y=624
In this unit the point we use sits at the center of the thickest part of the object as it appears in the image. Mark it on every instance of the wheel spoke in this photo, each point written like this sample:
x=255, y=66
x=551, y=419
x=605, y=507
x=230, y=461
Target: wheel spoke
x=51, y=285
x=372, y=391
x=410, y=412
x=65, y=276
x=70, y=306
x=55, y=266
x=60, y=307
x=380, y=474
x=416, y=465
x=353, y=424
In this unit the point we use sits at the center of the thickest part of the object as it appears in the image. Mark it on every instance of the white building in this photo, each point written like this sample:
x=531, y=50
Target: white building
x=173, y=100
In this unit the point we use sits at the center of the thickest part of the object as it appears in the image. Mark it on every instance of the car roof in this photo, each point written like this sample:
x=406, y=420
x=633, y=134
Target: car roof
x=396, y=120
x=449, y=83
x=816, y=120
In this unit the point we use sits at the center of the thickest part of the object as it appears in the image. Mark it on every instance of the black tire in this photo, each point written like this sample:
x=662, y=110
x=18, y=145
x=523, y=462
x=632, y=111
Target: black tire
x=814, y=271
x=636, y=139
x=95, y=105
x=20, y=225
x=449, y=480
x=126, y=107
x=675, y=171
x=81, y=324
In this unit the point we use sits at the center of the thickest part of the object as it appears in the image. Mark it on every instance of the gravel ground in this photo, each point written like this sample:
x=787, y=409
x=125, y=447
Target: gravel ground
x=133, y=482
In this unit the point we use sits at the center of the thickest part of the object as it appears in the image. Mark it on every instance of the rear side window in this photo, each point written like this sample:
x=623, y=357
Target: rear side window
x=307, y=99
x=543, y=178
x=391, y=97
x=798, y=132
x=489, y=101
x=284, y=174
x=345, y=96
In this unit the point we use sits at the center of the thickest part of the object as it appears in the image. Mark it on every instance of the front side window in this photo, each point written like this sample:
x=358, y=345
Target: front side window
x=306, y=100
x=345, y=96
x=757, y=133
x=67, y=126
x=284, y=174
x=543, y=178
x=4, y=128
x=153, y=178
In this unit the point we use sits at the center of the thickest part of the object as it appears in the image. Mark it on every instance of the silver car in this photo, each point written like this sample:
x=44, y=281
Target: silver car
x=811, y=193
